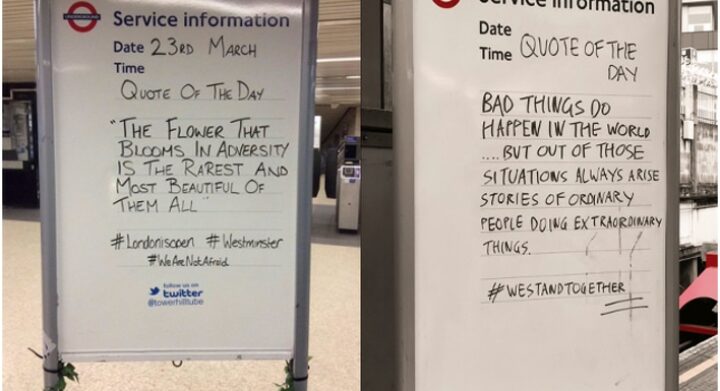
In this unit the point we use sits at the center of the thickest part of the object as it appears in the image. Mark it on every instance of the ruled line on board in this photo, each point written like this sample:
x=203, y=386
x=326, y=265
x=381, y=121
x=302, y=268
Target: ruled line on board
x=577, y=184
x=565, y=274
x=542, y=116
x=578, y=162
x=239, y=211
x=188, y=249
x=201, y=100
x=499, y=232
x=201, y=229
x=209, y=194
x=196, y=157
x=571, y=93
x=570, y=207
x=211, y=118
x=204, y=139
x=181, y=176
x=270, y=265
x=559, y=298
x=584, y=251
x=558, y=139
x=561, y=252
x=200, y=212
x=219, y=267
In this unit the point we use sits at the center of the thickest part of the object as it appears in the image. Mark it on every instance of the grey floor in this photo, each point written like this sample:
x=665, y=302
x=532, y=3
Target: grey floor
x=334, y=322
x=698, y=367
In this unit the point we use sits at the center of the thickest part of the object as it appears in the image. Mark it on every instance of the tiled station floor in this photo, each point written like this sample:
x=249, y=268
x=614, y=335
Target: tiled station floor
x=334, y=323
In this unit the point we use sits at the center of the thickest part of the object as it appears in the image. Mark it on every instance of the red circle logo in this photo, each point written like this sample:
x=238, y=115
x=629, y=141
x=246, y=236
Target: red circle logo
x=446, y=3
x=91, y=16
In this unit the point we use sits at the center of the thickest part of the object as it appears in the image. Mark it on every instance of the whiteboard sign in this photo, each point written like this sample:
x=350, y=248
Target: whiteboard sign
x=176, y=169
x=540, y=194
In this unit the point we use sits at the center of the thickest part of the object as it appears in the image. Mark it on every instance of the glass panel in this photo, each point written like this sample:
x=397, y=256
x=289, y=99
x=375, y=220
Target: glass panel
x=706, y=106
x=709, y=59
x=697, y=18
x=685, y=161
x=706, y=138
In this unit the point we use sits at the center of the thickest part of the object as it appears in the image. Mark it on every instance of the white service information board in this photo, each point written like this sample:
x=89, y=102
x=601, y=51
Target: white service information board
x=177, y=128
x=540, y=194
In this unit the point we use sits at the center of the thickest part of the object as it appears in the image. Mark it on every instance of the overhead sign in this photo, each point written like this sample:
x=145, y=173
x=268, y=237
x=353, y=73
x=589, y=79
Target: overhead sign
x=177, y=168
x=540, y=194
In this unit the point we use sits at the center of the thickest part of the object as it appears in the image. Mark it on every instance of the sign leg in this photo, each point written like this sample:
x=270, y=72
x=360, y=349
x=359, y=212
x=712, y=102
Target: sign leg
x=47, y=197
x=302, y=309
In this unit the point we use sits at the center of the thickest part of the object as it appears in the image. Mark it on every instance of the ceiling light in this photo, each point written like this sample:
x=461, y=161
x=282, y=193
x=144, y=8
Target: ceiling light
x=336, y=88
x=338, y=59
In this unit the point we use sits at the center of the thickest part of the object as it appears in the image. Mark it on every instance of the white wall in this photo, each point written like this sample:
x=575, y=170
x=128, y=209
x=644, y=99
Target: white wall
x=698, y=225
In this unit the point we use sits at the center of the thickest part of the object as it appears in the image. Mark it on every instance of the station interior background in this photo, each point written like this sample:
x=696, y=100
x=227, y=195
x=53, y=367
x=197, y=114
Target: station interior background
x=335, y=279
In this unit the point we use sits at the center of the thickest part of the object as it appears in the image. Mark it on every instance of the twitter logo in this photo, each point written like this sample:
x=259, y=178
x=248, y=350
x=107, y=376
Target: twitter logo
x=154, y=291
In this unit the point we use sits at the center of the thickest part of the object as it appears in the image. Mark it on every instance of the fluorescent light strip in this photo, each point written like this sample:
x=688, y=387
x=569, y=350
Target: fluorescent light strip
x=339, y=78
x=336, y=88
x=338, y=59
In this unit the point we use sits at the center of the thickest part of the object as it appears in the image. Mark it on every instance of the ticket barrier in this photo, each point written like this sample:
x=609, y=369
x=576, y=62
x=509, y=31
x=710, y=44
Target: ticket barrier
x=348, y=197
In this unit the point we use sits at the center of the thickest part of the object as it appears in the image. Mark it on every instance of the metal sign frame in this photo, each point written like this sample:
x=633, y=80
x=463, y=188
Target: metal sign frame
x=48, y=206
x=404, y=196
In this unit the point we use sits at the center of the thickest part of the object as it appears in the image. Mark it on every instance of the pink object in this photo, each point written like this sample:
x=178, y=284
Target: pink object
x=705, y=286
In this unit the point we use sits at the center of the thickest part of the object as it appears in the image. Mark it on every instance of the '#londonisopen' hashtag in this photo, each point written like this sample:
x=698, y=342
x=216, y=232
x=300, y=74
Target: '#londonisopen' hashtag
x=117, y=241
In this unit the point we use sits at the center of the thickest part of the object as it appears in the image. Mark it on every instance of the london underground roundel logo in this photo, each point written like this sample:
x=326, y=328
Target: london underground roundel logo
x=446, y=3
x=83, y=21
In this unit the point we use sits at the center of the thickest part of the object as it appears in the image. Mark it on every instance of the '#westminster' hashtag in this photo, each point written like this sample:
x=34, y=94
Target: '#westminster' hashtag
x=212, y=240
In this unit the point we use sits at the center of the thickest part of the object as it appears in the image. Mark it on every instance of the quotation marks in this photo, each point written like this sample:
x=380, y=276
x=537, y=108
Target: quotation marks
x=117, y=241
x=152, y=258
x=446, y=3
x=494, y=291
x=113, y=122
x=212, y=240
